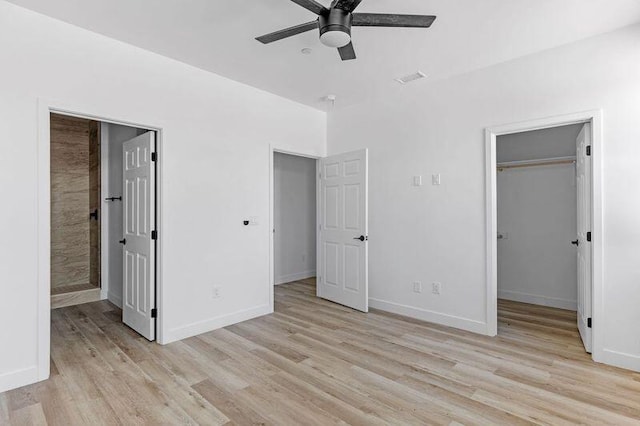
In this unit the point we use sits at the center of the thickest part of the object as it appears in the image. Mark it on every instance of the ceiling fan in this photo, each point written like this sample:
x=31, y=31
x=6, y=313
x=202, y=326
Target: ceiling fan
x=336, y=21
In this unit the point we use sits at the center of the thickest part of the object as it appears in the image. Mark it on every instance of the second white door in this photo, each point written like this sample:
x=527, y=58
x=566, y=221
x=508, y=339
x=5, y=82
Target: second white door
x=583, y=188
x=139, y=222
x=343, y=223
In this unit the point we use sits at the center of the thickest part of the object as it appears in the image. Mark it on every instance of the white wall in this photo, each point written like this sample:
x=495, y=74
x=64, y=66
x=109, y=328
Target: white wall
x=113, y=135
x=537, y=217
x=294, y=217
x=437, y=233
x=545, y=143
x=215, y=169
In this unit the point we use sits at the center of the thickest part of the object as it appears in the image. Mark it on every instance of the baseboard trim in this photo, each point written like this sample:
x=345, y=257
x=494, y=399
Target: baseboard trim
x=294, y=277
x=116, y=300
x=621, y=359
x=430, y=316
x=75, y=298
x=18, y=378
x=211, y=324
x=553, y=302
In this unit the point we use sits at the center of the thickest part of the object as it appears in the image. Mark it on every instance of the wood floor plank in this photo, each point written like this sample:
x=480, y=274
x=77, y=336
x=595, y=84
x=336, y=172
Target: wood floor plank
x=315, y=362
x=31, y=415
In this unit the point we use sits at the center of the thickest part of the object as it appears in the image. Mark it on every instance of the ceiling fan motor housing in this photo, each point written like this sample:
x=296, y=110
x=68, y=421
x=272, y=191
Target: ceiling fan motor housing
x=336, y=20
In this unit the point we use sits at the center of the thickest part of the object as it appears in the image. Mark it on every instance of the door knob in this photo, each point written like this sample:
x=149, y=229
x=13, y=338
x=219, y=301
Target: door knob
x=362, y=238
x=576, y=242
x=123, y=241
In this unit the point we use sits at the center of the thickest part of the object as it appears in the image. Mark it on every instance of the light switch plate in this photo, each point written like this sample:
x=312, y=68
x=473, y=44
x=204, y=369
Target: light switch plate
x=417, y=181
x=435, y=179
x=436, y=288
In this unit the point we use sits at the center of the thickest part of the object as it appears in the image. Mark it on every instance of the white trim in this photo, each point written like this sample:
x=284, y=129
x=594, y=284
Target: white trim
x=594, y=117
x=161, y=324
x=19, y=378
x=536, y=299
x=284, y=279
x=104, y=212
x=621, y=359
x=115, y=299
x=44, y=108
x=272, y=150
x=492, y=230
x=318, y=222
x=44, y=242
x=429, y=316
x=207, y=325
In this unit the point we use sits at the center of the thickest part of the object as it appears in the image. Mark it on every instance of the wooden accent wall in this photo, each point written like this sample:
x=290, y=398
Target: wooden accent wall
x=72, y=244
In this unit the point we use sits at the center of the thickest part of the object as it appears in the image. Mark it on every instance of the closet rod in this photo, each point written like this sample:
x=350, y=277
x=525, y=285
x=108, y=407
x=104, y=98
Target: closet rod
x=550, y=162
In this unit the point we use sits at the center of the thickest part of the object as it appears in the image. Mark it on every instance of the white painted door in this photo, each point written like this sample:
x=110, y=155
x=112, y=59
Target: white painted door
x=583, y=187
x=343, y=222
x=138, y=201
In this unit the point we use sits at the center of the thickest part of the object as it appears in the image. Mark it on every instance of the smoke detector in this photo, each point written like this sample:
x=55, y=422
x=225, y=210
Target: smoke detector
x=330, y=99
x=411, y=77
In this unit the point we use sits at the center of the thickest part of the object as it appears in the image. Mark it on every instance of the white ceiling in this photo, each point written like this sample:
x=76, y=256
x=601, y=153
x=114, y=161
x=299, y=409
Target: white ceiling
x=219, y=36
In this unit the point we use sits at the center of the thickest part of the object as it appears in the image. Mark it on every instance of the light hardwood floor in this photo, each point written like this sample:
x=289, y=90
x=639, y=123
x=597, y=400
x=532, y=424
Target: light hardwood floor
x=314, y=362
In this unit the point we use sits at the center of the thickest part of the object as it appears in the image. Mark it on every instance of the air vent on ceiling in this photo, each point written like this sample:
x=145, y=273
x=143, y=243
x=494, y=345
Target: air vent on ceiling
x=411, y=77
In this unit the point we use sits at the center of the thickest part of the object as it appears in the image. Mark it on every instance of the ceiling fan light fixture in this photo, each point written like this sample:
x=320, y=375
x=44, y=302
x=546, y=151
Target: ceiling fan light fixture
x=336, y=20
x=335, y=28
x=335, y=38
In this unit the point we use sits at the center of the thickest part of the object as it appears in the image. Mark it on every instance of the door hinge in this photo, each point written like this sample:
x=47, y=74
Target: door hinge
x=154, y=313
x=154, y=156
x=154, y=235
x=589, y=322
x=589, y=236
x=588, y=149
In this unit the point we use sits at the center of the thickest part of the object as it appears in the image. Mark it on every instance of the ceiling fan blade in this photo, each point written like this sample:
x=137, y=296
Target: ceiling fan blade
x=288, y=32
x=312, y=5
x=347, y=52
x=347, y=5
x=391, y=20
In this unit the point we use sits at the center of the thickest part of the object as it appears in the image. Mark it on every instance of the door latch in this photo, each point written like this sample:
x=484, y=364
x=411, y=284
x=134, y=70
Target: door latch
x=94, y=215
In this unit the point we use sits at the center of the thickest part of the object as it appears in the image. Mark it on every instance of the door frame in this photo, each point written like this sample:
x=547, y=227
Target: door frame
x=44, y=109
x=594, y=117
x=314, y=156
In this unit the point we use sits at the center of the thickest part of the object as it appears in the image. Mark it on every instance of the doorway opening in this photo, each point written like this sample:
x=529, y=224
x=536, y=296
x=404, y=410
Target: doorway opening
x=294, y=217
x=103, y=217
x=340, y=226
x=75, y=211
x=537, y=223
x=543, y=209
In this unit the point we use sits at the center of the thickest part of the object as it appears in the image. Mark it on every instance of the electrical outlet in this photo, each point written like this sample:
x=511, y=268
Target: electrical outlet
x=216, y=292
x=436, y=288
x=417, y=287
x=417, y=181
